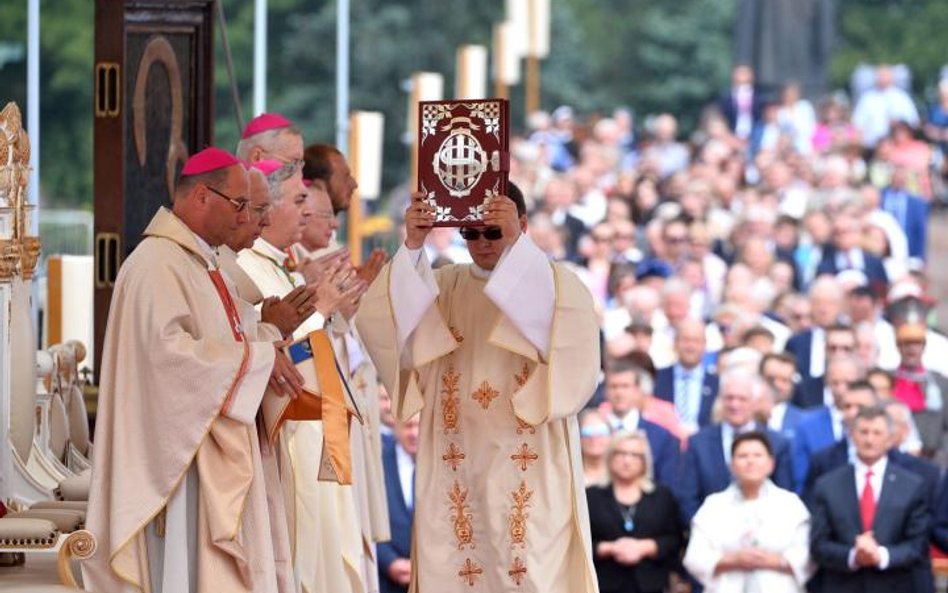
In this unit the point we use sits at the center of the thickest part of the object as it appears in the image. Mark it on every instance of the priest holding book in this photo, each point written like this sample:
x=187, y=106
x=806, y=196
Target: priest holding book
x=497, y=357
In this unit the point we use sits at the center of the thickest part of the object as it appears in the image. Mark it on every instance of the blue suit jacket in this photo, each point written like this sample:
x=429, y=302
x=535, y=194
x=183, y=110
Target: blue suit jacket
x=814, y=433
x=399, y=517
x=791, y=419
x=665, y=452
x=800, y=345
x=873, y=268
x=902, y=522
x=915, y=223
x=665, y=389
x=704, y=471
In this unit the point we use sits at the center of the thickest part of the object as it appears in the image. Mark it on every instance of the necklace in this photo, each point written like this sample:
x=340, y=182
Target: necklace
x=628, y=513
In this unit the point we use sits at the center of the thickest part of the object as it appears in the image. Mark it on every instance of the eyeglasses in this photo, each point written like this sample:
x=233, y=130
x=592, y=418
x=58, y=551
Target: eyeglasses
x=676, y=240
x=239, y=205
x=261, y=209
x=291, y=165
x=634, y=454
x=490, y=233
x=594, y=430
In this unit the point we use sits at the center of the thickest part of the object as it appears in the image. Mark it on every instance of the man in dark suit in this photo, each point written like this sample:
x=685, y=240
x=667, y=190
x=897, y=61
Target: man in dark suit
x=626, y=387
x=845, y=252
x=809, y=345
x=705, y=465
x=778, y=370
x=825, y=425
x=870, y=522
x=398, y=462
x=910, y=211
x=689, y=384
x=742, y=106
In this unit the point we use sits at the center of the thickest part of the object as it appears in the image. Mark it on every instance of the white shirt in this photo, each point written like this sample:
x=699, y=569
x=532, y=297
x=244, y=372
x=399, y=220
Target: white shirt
x=629, y=422
x=775, y=422
x=728, y=434
x=406, y=475
x=878, y=472
x=818, y=352
x=837, y=420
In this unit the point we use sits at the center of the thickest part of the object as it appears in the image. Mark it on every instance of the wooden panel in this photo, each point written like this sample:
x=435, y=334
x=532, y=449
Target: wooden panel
x=153, y=107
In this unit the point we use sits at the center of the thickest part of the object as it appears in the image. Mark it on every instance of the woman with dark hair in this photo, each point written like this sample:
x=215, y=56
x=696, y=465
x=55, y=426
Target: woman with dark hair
x=753, y=536
x=634, y=522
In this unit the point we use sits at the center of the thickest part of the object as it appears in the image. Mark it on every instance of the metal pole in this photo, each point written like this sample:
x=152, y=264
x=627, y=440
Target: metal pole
x=33, y=105
x=259, y=57
x=342, y=76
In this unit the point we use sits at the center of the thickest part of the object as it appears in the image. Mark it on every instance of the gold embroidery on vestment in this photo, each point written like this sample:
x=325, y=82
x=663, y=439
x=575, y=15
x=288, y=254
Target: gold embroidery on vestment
x=462, y=518
x=485, y=394
x=449, y=403
x=519, y=515
x=517, y=571
x=453, y=456
x=524, y=456
x=470, y=572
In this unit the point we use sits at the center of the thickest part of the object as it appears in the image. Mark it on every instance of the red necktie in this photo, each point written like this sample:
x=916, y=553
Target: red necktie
x=867, y=504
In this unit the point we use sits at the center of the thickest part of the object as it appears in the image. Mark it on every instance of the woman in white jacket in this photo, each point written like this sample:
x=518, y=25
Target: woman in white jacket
x=754, y=536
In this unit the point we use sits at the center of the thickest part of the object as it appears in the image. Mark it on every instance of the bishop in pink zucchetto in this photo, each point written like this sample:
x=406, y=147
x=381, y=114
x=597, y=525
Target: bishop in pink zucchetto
x=264, y=123
x=267, y=166
x=209, y=159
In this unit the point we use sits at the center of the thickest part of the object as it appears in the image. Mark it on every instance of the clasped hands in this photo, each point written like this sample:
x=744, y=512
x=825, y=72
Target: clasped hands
x=867, y=550
x=628, y=550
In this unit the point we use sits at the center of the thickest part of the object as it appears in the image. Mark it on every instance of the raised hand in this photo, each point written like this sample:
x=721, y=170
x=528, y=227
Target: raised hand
x=501, y=212
x=370, y=270
x=419, y=219
x=313, y=270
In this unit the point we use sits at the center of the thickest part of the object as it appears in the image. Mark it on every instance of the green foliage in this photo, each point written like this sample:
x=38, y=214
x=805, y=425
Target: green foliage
x=895, y=31
x=653, y=55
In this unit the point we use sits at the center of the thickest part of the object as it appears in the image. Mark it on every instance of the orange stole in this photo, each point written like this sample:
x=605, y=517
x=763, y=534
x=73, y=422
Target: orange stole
x=323, y=399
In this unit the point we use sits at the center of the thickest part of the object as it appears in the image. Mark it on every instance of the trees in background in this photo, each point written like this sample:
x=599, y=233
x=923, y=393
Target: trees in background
x=651, y=56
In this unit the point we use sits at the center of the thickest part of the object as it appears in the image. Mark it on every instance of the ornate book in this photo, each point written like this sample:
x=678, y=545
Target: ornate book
x=463, y=157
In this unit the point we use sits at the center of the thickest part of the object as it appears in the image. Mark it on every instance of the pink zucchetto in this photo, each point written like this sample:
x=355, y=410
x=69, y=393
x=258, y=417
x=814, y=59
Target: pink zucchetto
x=209, y=159
x=264, y=123
x=267, y=166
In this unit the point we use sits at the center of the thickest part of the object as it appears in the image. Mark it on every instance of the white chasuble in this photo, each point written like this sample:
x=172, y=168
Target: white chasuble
x=323, y=516
x=499, y=499
x=176, y=440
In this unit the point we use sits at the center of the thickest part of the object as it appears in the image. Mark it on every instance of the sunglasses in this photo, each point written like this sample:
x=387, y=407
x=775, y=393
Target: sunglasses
x=490, y=233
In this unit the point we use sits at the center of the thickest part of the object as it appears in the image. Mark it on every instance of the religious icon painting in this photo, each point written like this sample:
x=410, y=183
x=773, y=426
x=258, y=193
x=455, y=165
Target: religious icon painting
x=463, y=157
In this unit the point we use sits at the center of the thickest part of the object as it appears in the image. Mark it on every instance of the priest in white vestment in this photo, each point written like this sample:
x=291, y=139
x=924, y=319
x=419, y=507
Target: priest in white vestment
x=497, y=357
x=178, y=500
x=368, y=478
x=325, y=531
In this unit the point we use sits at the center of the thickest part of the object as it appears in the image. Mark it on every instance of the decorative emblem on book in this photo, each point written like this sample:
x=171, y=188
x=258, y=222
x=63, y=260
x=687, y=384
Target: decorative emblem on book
x=463, y=157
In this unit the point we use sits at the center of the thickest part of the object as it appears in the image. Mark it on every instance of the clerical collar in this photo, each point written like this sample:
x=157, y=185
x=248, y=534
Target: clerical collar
x=262, y=247
x=209, y=253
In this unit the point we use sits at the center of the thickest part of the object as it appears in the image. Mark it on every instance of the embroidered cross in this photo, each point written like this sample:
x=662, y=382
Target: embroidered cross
x=517, y=571
x=485, y=394
x=470, y=572
x=453, y=456
x=524, y=457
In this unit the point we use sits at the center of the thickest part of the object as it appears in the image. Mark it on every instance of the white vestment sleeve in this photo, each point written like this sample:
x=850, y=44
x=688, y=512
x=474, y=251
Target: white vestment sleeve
x=413, y=290
x=248, y=393
x=522, y=287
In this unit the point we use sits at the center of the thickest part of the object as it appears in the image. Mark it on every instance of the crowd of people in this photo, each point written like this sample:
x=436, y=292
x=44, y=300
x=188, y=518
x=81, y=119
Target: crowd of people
x=767, y=336
x=742, y=323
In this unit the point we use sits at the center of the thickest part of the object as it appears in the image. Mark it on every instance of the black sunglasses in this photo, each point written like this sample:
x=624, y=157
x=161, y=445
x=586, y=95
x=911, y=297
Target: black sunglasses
x=490, y=233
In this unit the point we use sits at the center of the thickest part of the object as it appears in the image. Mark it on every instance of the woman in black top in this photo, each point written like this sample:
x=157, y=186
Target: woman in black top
x=635, y=525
